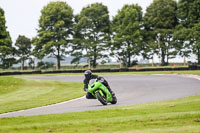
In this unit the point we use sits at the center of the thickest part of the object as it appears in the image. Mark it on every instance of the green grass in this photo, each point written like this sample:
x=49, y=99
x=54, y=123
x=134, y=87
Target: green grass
x=182, y=115
x=17, y=94
x=194, y=72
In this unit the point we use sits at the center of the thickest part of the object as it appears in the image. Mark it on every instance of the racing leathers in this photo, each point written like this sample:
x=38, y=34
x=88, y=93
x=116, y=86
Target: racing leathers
x=93, y=76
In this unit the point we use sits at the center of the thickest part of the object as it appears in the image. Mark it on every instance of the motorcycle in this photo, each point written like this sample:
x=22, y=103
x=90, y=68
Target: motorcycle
x=100, y=92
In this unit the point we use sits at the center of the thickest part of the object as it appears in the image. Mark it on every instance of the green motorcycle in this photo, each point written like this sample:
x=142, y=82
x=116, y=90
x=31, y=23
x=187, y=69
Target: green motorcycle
x=99, y=91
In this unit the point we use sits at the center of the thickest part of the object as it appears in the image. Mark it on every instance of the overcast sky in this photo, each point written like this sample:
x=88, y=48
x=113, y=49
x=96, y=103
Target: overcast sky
x=22, y=15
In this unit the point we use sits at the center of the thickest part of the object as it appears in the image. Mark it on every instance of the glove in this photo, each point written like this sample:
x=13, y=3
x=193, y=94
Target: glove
x=85, y=89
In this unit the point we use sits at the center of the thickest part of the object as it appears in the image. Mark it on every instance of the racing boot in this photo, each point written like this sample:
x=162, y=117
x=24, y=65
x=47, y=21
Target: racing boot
x=114, y=101
x=112, y=93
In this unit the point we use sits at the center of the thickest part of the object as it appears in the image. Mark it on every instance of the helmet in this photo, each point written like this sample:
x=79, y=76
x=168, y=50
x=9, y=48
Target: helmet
x=88, y=74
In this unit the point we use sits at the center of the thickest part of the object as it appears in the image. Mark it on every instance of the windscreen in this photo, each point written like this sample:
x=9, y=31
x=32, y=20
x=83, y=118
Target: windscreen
x=91, y=81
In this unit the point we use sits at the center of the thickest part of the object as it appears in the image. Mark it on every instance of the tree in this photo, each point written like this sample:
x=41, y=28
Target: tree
x=160, y=20
x=6, y=49
x=127, y=34
x=92, y=32
x=183, y=47
x=149, y=47
x=23, y=45
x=196, y=40
x=55, y=31
x=188, y=14
x=78, y=43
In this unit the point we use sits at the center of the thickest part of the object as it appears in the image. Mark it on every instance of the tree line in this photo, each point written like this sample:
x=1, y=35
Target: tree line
x=167, y=29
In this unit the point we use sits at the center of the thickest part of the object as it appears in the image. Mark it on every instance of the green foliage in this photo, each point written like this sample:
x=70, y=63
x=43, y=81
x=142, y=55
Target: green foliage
x=189, y=16
x=188, y=12
x=180, y=36
x=23, y=51
x=161, y=14
x=6, y=49
x=91, y=32
x=149, y=47
x=127, y=36
x=160, y=21
x=196, y=38
x=55, y=31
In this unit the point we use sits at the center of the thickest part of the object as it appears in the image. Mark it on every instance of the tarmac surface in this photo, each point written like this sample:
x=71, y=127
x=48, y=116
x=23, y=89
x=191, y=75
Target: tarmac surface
x=129, y=89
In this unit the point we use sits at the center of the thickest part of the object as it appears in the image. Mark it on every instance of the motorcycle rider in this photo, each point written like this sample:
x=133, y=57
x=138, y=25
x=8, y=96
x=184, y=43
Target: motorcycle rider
x=88, y=76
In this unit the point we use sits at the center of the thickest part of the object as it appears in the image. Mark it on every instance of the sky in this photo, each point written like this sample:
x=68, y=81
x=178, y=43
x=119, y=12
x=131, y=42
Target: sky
x=22, y=15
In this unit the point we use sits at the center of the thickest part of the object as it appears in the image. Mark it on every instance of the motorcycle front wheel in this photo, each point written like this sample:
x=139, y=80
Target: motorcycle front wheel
x=102, y=99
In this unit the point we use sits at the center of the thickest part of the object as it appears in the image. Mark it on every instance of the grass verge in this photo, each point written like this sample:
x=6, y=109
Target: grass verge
x=194, y=72
x=182, y=115
x=17, y=94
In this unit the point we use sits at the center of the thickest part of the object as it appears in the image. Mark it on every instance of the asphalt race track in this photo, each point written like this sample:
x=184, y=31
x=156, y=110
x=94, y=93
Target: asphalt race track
x=129, y=89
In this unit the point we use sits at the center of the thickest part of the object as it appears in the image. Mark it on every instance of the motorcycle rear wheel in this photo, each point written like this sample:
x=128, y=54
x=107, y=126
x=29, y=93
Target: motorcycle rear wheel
x=101, y=98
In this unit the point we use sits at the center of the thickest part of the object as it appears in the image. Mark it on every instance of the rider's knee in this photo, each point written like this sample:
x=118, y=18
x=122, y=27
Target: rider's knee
x=89, y=96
